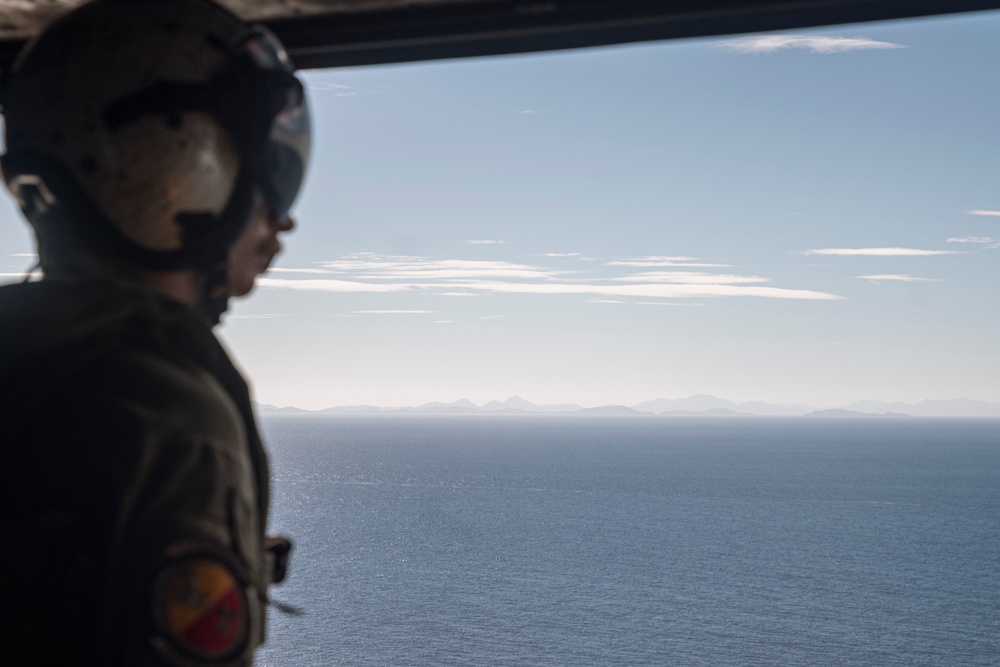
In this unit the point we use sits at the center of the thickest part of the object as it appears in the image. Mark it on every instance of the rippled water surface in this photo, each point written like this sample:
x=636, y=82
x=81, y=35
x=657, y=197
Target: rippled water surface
x=558, y=541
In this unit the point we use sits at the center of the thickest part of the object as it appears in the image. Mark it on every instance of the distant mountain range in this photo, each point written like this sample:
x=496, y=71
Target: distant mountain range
x=692, y=406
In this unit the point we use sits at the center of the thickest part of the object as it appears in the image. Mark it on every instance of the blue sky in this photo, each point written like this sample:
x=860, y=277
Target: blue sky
x=798, y=217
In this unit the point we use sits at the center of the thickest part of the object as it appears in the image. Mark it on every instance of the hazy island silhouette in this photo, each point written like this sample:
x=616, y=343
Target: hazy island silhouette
x=701, y=405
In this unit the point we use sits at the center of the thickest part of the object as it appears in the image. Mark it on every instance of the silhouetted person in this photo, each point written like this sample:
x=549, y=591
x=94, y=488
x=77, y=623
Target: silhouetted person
x=155, y=147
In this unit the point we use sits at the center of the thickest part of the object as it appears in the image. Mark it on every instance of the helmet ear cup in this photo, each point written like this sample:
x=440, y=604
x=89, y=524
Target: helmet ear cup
x=46, y=192
x=51, y=198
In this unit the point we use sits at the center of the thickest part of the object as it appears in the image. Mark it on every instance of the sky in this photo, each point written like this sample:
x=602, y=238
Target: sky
x=807, y=217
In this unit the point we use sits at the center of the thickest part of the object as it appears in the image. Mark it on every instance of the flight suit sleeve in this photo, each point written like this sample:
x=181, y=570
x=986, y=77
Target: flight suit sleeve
x=185, y=575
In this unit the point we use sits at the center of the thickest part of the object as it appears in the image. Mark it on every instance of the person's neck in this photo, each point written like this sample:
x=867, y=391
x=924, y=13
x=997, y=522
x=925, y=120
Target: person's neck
x=179, y=285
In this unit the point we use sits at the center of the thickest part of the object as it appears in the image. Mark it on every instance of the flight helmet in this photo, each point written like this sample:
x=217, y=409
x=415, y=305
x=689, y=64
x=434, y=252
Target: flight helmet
x=150, y=129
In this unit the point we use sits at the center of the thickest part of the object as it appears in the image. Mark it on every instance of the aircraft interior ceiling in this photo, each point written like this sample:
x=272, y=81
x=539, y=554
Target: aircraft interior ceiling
x=334, y=33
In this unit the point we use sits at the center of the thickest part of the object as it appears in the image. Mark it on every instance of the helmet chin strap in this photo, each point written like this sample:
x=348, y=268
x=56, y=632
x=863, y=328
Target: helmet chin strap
x=214, y=293
x=71, y=256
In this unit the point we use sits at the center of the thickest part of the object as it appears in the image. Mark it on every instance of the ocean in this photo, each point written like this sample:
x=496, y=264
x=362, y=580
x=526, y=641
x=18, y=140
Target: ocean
x=560, y=541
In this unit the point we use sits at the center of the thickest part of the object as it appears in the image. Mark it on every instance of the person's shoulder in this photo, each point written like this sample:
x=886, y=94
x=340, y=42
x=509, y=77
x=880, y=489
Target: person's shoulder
x=99, y=361
x=164, y=391
x=47, y=315
x=24, y=293
x=25, y=298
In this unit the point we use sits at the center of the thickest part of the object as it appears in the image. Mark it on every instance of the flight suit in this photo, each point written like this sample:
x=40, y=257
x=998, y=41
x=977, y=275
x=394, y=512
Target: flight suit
x=134, y=484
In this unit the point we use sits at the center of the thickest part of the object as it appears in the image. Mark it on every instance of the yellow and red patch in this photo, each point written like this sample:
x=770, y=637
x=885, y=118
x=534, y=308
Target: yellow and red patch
x=201, y=607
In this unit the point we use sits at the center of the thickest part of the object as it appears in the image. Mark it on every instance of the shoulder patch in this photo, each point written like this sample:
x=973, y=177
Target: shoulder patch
x=200, y=607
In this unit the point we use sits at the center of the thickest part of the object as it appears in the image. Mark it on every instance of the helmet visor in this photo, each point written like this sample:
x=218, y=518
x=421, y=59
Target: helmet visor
x=286, y=153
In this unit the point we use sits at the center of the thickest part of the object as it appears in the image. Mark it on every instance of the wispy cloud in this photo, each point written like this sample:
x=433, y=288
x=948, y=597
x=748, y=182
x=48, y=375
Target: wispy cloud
x=393, y=312
x=669, y=303
x=666, y=291
x=880, y=252
x=275, y=269
x=485, y=242
x=691, y=278
x=985, y=241
x=661, y=261
x=825, y=45
x=653, y=258
x=315, y=83
x=368, y=272
x=970, y=239
x=258, y=316
x=528, y=112
x=373, y=267
x=897, y=277
x=339, y=89
x=327, y=285
x=984, y=212
x=558, y=254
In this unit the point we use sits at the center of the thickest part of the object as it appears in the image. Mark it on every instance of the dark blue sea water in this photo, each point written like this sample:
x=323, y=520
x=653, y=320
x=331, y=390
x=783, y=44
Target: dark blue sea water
x=560, y=541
